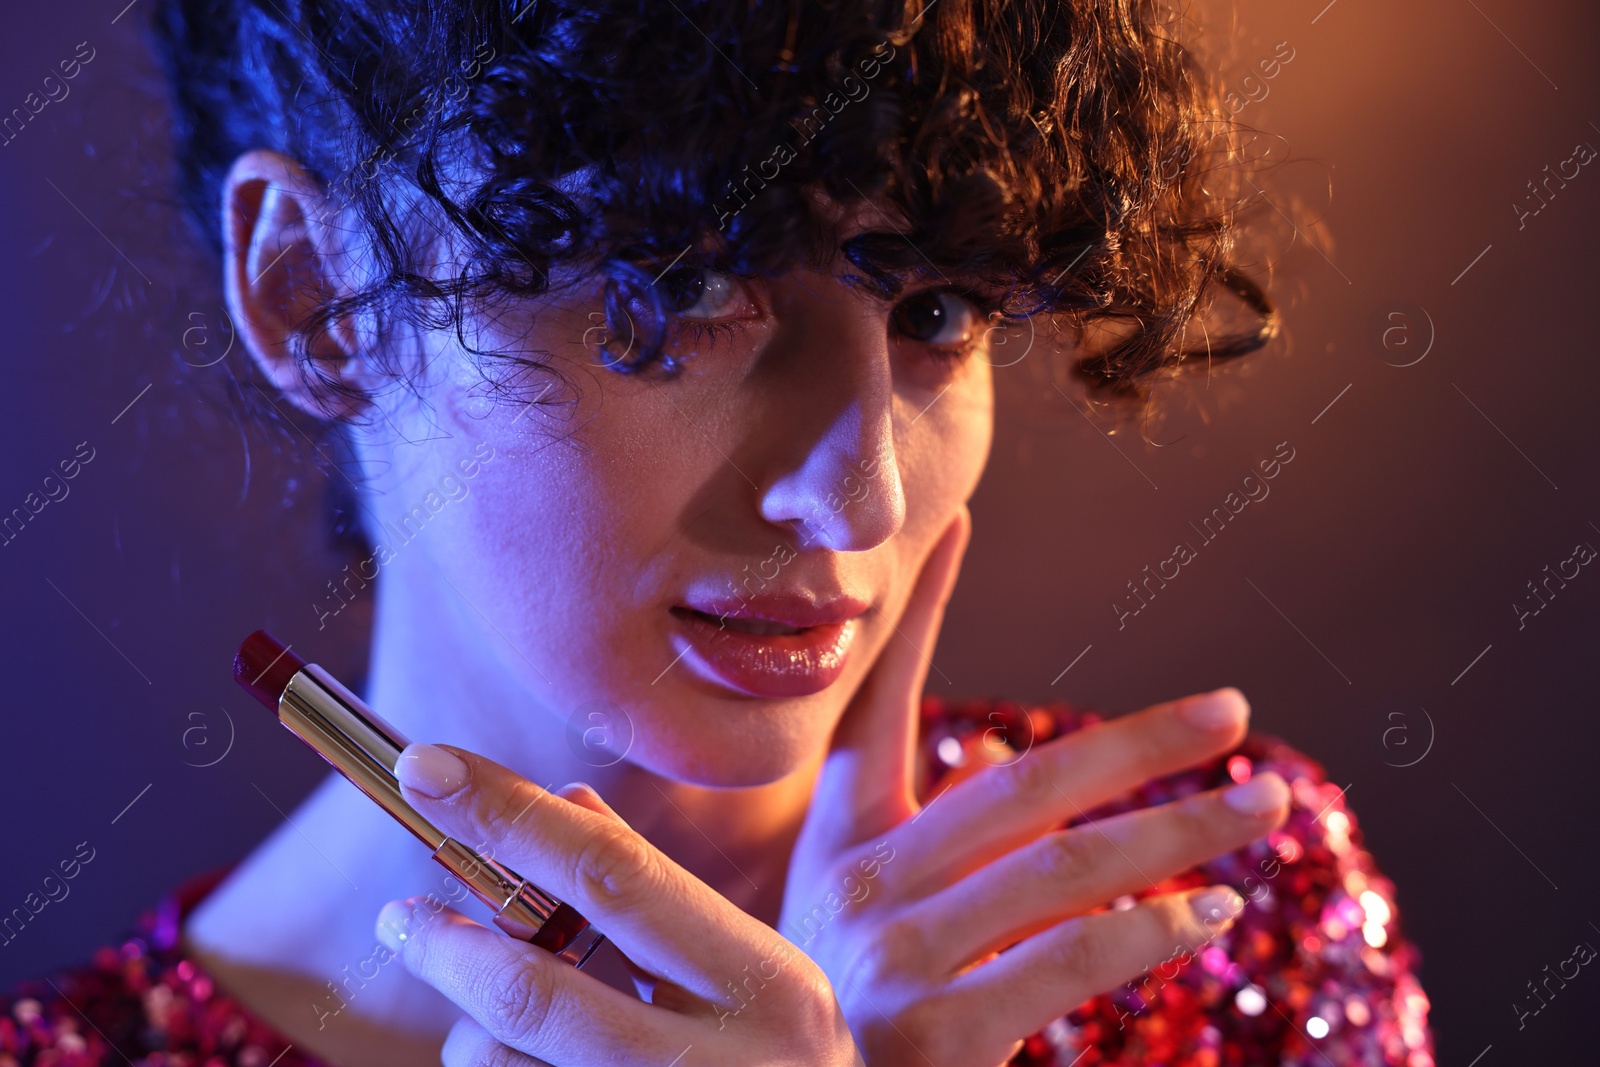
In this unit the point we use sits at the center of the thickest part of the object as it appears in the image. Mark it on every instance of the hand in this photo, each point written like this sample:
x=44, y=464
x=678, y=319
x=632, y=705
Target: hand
x=702, y=959
x=907, y=908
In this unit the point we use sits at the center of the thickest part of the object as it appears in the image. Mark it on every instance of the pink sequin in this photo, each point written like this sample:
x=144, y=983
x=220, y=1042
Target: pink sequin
x=1296, y=952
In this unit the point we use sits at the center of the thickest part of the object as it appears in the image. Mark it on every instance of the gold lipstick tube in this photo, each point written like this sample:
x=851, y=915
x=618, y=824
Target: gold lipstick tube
x=352, y=737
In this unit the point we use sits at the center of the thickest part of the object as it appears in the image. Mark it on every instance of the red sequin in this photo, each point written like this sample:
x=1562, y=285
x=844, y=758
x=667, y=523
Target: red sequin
x=1319, y=938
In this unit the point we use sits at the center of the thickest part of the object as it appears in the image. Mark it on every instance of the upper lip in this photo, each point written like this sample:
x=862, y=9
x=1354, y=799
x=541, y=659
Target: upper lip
x=789, y=609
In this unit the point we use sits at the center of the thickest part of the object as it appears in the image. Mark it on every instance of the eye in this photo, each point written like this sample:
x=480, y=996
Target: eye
x=703, y=293
x=937, y=317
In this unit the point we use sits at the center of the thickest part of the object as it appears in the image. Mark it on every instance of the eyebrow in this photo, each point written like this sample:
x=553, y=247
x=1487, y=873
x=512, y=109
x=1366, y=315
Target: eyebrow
x=884, y=281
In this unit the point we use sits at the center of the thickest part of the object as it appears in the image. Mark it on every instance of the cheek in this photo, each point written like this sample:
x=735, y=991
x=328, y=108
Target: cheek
x=585, y=518
x=941, y=461
x=943, y=454
x=571, y=544
x=546, y=540
x=573, y=558
x=558, y=534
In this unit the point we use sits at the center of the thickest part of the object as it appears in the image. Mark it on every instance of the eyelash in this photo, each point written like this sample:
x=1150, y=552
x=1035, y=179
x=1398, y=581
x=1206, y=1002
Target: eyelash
x=710, y=329
x=714, y=329
x=987, y=307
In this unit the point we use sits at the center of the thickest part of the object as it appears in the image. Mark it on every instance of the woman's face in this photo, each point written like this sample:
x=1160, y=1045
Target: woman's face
x=711, y=561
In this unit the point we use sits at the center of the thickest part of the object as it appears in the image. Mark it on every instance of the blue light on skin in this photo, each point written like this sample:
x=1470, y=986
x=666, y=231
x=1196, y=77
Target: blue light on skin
x=549, y=585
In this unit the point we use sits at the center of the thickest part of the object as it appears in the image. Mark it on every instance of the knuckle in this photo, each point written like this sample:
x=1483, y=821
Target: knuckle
x=1149, y=743
x=615, y=867
x=1081, y=954
x=1027, y=781
x=1184, y=826
x=1203, y=826
x=505, y=806
x=870, y=970
x=812, y=999
x=902, y=948
x=1068, y=855
x=518, y=999
x=469, y=1045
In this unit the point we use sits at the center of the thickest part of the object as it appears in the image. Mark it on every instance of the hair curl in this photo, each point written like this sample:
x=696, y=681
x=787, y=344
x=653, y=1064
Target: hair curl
x=1071, y=154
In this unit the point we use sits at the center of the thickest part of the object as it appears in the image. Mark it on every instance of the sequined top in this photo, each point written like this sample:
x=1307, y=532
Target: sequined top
x=1314, y=971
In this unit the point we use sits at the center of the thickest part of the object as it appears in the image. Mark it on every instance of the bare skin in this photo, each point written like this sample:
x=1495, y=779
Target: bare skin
x=550, y=582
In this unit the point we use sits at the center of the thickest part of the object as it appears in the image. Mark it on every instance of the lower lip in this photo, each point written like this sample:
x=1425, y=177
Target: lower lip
x=766, y=665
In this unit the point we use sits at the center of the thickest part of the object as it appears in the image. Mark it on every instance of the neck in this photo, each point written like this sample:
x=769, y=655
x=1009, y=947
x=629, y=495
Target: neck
x=440, y=675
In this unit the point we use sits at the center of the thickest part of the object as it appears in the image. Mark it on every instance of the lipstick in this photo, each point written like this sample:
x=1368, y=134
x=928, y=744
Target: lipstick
x=770, y=646
x=360, y=745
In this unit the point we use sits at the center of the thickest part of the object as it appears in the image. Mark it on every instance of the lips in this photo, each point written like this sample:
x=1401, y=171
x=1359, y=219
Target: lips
x=768, y=647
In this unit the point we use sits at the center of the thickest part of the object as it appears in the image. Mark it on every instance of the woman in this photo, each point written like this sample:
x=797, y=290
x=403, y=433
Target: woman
x=664, y=339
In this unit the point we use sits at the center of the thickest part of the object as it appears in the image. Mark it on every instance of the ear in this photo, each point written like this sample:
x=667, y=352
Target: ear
x=283, y=256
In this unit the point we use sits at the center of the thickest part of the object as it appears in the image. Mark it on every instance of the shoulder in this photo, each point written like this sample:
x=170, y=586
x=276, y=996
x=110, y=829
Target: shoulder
x=1317, y=962
x=137, y=997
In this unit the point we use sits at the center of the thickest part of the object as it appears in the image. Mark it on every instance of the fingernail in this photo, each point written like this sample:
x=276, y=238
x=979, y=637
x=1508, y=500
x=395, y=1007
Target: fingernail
x=394, y=924
x=430, y=770
x=580, y=793
x=1220, y=709
x=1261, y=794
x=1217, y=904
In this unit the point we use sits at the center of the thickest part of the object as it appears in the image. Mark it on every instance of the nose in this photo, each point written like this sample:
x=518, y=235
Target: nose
x=844, y=491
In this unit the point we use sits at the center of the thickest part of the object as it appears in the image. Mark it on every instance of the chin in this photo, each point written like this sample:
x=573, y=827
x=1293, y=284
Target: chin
x=738, y=751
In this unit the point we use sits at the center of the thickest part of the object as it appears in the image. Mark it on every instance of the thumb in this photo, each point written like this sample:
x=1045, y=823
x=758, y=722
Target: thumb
x=867, y=781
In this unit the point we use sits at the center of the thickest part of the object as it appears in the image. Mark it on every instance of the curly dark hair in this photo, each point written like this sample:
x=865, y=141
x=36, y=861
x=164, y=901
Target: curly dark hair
x=1069, y=154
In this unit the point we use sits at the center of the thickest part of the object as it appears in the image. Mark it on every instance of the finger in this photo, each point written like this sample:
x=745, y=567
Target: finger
x=1072, y=871
x=1004, y=807
x=469, y=1045
x=658, y=914
x=583, y=795
x=1039, y=980
x=651, y=988
x=664, y=994
x=866, y=783
x=522, y=996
